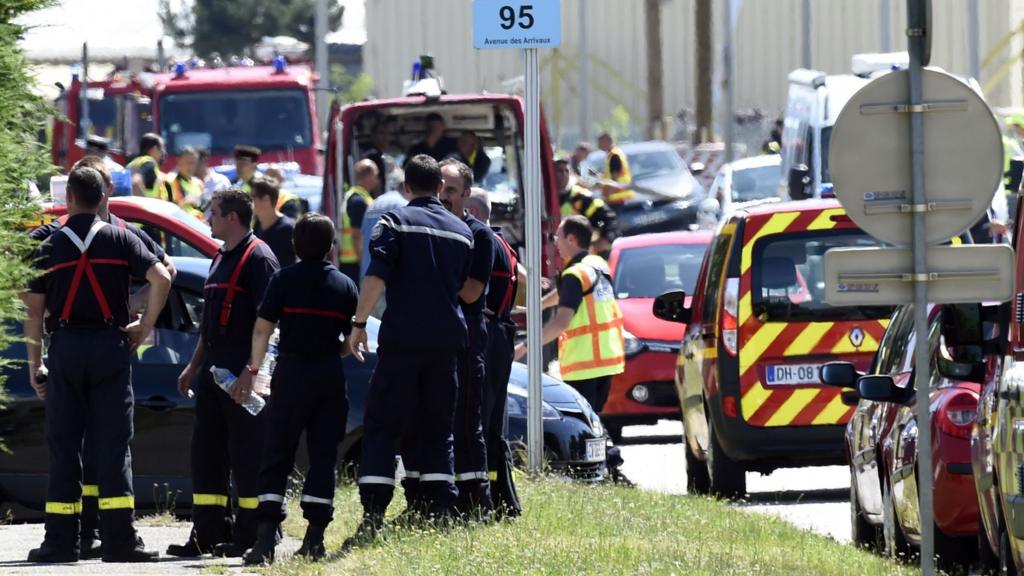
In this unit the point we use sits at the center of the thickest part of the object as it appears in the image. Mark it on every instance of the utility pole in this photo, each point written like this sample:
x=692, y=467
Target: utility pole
x=974, y=38
x=655, y=85
x=584, y=72
x=322, y=68
x=704, y=68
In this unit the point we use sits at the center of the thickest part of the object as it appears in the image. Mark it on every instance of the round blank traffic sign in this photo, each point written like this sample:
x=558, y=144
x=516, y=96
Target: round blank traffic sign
x=870, y=157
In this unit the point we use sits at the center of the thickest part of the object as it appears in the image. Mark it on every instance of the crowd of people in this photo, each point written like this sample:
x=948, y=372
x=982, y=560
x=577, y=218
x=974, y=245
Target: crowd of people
x=421, y=256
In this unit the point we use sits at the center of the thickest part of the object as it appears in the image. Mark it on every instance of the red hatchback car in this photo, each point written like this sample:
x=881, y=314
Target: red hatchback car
x=176, y=231
x=644, y=267
x=881, y=440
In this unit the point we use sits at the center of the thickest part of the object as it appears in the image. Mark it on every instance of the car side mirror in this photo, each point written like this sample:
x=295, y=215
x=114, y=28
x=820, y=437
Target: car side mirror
x=697, y=168
x=849, y=397
x=962, y=371
x=882, y=388
x=671, y=307
x=799, y=180
x=839, y=375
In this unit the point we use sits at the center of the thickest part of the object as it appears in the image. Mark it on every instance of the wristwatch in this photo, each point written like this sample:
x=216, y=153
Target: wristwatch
x=360, y=325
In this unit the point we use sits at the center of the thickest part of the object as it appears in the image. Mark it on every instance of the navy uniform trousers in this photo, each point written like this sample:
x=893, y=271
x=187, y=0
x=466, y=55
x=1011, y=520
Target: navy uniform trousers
x=410, y=406
x=308, y=395
x=90, y=381
x=500, y=352
x=470, y=441
x=227, y=444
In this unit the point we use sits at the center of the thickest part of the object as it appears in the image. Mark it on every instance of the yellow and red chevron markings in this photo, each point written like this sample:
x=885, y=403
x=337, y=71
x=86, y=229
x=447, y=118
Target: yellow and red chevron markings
x=794, y=342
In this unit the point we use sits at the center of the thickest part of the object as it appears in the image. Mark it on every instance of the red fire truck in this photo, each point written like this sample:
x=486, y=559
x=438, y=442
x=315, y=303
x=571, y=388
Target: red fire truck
x=271, y=107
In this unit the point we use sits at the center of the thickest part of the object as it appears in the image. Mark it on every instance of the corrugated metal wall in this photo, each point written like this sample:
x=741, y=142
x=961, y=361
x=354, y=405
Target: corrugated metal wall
x=768, y=46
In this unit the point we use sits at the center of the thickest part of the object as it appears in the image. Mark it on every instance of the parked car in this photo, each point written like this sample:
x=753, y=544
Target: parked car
x=573, y=434
x=758, y=331
x=668, y=197
x=881, y=439
x=175, y=230
x=644, y=267
x=747, y=180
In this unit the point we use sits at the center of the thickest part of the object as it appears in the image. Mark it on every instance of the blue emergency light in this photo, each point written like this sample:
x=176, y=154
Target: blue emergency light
x=179, y=70
x=280, y=64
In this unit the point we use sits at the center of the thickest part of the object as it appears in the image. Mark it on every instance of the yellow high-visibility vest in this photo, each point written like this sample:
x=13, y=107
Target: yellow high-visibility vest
x=350, y=253
x=135, y=165
x=594, y=344
x=625, y=177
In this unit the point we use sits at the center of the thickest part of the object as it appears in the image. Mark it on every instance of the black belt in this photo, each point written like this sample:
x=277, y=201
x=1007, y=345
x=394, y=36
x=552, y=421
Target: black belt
x=282, y=354
x=78, y=325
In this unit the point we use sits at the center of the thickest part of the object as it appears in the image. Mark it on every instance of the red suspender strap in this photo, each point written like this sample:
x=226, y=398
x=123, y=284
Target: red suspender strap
x=83, y=266
x=232, y=287
x=315, y=312
x=506, y=301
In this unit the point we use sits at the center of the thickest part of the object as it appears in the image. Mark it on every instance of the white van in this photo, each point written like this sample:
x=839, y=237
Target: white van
x=814, y=102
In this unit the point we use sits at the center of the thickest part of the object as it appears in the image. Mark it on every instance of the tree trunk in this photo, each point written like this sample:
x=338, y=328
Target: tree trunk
x=705, y=70
x=655, y=85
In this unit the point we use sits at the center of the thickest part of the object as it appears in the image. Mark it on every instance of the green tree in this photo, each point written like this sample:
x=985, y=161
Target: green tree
x=350, y=88
x=235, y=26
x=23, y=159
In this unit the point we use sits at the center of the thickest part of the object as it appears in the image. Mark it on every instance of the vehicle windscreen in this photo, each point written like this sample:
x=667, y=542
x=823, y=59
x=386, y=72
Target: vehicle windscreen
x=756, y=183
x=651, y=271
x=788, y=281
x=218, y=121
x=650, y=164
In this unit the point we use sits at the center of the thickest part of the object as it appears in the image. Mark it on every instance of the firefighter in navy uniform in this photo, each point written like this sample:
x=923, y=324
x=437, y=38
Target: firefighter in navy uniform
x=226, y=439
x=90, y=537
x=470, y=443
x=501, y=333
x=313, y=303
x=84, y=290
x=420, y=252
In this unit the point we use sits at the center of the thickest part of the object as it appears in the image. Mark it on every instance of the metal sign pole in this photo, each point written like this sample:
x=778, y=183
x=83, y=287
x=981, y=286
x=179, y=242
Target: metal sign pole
x=916, y=31
x=532, y=191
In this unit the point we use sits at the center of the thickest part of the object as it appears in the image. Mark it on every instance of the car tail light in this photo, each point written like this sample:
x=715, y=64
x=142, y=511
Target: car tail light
x=729, y=406
x=730, y=320
x=958, y=413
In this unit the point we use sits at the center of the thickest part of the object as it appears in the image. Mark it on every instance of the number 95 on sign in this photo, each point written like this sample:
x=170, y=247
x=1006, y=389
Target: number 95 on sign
x=517, y=24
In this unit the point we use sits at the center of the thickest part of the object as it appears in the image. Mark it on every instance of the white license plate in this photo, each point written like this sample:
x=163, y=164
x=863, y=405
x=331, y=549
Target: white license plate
x=792, y=374
x=595, y=450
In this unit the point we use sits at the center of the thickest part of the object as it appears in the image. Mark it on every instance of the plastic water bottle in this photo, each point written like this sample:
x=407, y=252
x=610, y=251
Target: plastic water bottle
x=261, y=383
x=226, y=380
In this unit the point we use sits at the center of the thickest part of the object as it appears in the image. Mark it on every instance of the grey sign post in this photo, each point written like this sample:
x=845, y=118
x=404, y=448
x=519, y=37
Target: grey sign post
x=527, y=25
x=906, y=193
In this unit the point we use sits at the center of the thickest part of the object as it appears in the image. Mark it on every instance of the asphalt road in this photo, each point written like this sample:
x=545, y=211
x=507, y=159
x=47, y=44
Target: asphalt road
x=18, y=539
x=812, y=498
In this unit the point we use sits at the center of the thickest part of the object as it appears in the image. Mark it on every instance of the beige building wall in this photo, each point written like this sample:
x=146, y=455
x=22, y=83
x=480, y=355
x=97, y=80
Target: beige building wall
x=768, y=46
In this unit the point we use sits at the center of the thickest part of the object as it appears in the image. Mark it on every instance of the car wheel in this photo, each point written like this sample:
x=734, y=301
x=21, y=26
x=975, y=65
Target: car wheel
x=988, y=559
x=697, y=479
x=863, y=533
x=1006, y=563
x=896, y=545
x=726, y=478
x=614, y=432
x=953, y=553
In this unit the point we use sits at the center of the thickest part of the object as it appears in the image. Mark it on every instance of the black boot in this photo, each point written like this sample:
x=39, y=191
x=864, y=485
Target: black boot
x=366, y=533
x=230, y=550
x=262, y=553
x=121, y=543
x=313, y=543
x=60, y=544
x=90, y=548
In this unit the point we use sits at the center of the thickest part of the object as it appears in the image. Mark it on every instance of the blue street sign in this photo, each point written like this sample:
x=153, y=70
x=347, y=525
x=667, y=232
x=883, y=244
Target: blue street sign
x=517, y=23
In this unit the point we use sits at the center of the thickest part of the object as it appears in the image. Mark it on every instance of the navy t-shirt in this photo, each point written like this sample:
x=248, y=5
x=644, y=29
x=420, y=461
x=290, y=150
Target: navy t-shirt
x=279, y=238
x=314, y=304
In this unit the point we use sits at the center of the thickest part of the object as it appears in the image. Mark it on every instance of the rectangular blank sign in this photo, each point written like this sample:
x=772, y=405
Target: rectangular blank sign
x=956, y=274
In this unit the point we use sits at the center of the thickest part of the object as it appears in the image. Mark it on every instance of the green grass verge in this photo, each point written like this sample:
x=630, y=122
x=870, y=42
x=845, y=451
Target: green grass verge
x=574, y=529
